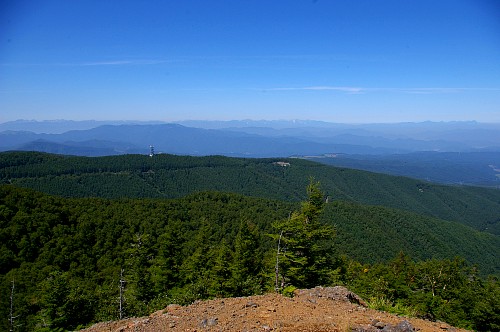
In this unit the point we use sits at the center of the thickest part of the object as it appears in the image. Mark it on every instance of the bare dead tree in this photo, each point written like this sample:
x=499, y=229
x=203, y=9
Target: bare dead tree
x=122, y=287
x=12, y=318
x=277, y=268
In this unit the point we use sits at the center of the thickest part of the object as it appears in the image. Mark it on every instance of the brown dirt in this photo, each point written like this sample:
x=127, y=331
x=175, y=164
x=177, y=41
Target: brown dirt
x=317, y=309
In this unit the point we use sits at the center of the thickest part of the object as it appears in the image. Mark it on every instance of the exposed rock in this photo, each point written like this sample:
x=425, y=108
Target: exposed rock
x=405, y=326
x=251, y=304
x=325, y=309
x=364, y=328
x=208, y=322
x=337, y=293
x=379, y=325
x=212, y=321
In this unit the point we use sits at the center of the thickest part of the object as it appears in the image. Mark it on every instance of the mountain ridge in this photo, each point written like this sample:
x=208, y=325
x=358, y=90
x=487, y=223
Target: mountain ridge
x=323, y=136
x=67, y=255
x=171, y=176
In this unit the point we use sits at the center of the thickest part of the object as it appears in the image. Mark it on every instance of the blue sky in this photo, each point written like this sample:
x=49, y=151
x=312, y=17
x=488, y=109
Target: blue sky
x=352, y=61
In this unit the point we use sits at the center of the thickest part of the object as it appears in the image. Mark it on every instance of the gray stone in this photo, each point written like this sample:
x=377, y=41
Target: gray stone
x=251, y=305
x=208, y=322
x=403, y=326
x=212, y=321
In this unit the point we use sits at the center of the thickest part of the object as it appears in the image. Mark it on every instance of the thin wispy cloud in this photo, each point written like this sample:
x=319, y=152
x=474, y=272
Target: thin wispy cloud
x=139, y=62
x=361, y=90
x=123, y=63
x=107, y=63
x=443, y=90
x=347, y=89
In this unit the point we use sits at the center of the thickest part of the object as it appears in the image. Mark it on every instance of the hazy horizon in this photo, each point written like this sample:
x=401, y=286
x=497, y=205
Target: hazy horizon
x=187, y=120
x=334, y=61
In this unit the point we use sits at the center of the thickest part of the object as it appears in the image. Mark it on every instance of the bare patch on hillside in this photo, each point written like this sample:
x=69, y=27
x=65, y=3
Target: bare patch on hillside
x=317, y=309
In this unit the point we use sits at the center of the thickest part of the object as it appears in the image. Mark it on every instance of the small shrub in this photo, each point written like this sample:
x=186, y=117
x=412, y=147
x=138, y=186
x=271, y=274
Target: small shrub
x=398, y=308
x=288, y=291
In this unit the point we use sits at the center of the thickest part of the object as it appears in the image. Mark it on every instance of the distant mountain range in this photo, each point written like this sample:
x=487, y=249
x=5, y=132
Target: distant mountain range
x=375, y=147
x=250, y=138
x=170, y=138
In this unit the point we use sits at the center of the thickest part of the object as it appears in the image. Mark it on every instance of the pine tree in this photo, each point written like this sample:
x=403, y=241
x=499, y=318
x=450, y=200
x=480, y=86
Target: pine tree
x=139, y=292
x=247, y=261
x=221, y=272
x=306, y=253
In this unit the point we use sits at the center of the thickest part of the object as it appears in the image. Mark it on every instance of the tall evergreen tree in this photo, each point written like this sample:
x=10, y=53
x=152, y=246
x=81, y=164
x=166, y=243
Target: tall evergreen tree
x=139, y=292
x=247, y=264
x=221, y=272
x=306, y=253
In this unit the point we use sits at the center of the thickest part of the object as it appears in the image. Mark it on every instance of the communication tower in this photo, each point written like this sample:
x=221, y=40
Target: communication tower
x=151, y=151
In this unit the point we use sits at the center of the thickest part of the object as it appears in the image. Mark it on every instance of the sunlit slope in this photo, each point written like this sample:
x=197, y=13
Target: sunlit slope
x=373, y=233
x=172, y=176
x=95, y=227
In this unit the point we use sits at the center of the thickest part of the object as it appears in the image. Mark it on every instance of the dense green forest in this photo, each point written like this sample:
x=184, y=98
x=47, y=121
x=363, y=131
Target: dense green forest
x=67, y=257
x=169, y=176
x=374, y=234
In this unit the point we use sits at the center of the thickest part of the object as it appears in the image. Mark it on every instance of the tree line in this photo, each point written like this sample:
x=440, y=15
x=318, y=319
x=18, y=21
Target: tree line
x=170, y=176
x=78, y=261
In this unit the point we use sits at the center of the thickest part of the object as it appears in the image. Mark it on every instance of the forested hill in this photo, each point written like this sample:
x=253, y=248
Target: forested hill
x=66, y=256
x=169, y=176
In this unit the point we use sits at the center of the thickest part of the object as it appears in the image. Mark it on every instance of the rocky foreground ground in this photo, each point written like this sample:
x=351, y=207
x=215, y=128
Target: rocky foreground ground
x=317, y=309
